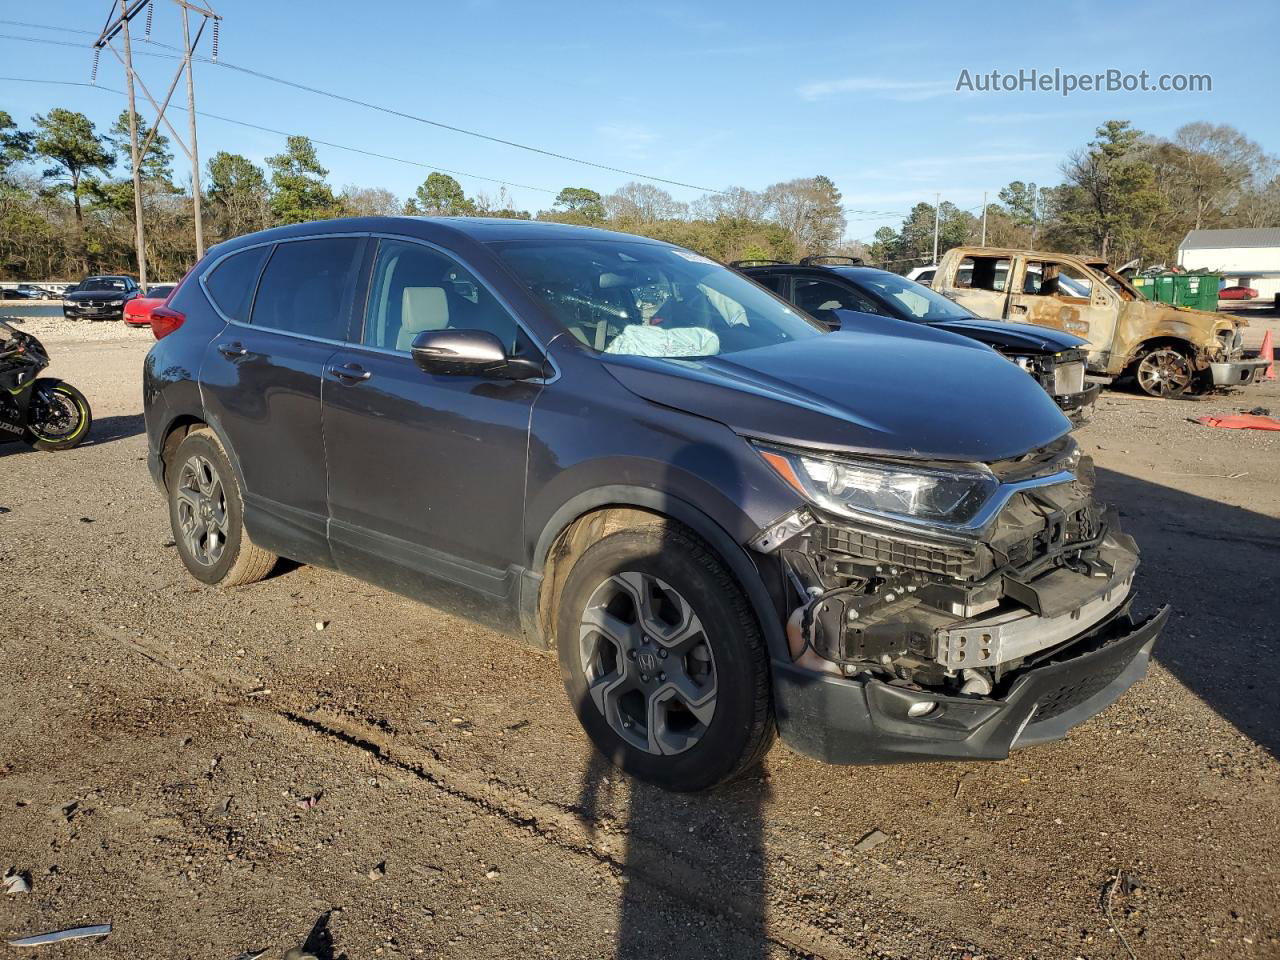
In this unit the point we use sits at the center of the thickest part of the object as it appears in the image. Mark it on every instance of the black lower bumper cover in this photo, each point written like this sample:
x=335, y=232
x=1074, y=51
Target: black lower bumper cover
x=866, y=721
x=94, y=313
x=1075, y=401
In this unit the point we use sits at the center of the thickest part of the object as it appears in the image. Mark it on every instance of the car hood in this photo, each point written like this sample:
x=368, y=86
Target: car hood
x=81, y=295
x=1011, y=336
x=871, y=393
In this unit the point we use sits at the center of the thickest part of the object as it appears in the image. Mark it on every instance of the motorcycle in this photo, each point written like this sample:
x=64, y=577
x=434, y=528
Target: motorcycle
x=45, y=412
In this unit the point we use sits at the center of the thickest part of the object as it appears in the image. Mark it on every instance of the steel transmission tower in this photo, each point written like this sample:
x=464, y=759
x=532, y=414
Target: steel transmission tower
x=118, y=22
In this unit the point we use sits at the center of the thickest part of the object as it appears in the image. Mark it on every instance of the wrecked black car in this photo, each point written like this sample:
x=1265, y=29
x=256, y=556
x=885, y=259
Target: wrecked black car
x=840, y=294
x=725, y=519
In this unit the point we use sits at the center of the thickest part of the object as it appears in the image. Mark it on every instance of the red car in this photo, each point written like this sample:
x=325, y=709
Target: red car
x=1237, y=293
x=137, y=312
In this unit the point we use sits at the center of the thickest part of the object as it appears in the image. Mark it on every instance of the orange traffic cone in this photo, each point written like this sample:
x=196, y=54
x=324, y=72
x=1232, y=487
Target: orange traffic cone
x=1268, y=353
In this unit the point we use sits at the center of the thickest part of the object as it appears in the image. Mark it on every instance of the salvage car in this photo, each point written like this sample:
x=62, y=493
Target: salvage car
x=727, y=520
x=99, y=298
x=1166, y=350
x=839, y=294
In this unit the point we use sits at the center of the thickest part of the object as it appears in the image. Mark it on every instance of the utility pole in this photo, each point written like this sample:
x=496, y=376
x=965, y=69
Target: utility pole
x=191, y=117
x=118, y=24
x=937, y=209
x=984, y=218
x=139, y=238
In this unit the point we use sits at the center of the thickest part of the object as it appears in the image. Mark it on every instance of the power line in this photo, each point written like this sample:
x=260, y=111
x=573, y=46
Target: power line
x=390, y=111
x=284, y=133
x=44, y=26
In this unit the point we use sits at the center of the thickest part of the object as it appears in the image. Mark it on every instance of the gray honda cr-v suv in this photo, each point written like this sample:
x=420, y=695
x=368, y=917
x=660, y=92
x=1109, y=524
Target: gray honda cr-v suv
x=725, y=519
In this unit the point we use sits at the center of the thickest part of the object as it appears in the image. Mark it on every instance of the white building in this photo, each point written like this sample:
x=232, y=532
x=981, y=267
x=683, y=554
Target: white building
x=1247, y=257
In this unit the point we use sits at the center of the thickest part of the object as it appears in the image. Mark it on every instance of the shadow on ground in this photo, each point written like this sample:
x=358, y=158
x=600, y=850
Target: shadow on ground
x=103, y=430
x=107, y=429
x=1218, y=566
x=685, y=896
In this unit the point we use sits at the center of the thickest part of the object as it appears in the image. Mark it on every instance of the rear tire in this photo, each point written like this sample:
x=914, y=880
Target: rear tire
x=206, y=513
x=702, y=714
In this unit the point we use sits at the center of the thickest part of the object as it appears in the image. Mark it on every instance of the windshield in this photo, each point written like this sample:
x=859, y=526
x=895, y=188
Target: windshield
x=160, y=290
x=921, y=302
x=647, y=300
x=101, y=283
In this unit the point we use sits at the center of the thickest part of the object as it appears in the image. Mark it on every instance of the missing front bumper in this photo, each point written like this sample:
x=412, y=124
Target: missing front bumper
x=864, y=720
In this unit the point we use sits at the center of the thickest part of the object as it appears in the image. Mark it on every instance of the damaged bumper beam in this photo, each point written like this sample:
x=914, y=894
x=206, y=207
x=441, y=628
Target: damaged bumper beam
x=1079, y=400
x=866, y=720
x=1237, y=373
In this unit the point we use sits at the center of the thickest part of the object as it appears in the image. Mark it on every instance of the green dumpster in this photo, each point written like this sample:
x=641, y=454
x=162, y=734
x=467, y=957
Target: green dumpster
x=1196, y=290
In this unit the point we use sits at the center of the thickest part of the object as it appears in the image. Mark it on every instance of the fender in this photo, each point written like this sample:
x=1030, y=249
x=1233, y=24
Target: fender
x=202, y=416
x=647, y=498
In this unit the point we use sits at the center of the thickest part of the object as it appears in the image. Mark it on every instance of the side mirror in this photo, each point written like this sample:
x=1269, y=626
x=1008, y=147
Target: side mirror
x=474, y=353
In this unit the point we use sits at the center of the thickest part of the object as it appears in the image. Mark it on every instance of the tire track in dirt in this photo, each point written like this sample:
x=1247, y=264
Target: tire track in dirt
x=566, y=828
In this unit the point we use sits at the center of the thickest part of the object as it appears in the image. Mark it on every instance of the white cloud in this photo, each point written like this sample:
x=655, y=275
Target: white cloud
x=630, y=139
x=886, y=88
x=1012, y=117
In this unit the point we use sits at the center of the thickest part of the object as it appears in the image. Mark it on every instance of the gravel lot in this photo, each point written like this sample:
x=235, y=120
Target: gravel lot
x=310, y=758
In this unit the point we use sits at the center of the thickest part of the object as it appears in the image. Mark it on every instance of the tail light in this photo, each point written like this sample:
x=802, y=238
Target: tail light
x=165, y=320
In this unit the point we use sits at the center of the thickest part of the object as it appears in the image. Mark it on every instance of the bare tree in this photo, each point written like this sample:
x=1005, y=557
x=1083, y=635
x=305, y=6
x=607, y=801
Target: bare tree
x=643, y=203
x=369, y=201
x=1213, y=164
x=735, y=203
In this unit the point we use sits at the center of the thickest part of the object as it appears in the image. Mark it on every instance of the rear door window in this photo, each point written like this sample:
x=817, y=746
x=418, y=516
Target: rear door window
x=983, y=273
x=776, y=283
x=230, y=284
x=816, y=297
x=306, y=288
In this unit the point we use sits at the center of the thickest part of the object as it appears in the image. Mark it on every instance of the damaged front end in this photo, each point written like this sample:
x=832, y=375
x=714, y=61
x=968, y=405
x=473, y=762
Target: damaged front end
x=995, y=616
x=1062, y=375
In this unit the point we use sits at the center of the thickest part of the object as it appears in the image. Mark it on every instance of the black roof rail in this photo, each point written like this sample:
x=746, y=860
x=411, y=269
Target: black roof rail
x=813, y=260
x=761, y=262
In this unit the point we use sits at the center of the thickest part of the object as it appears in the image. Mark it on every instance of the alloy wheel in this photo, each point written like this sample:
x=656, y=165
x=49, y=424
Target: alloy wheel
x=202, y=510
x=648, y=663
x=1164, y=372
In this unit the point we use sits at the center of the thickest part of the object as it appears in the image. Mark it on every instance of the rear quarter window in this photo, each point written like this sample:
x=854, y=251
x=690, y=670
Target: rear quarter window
x=230, y=284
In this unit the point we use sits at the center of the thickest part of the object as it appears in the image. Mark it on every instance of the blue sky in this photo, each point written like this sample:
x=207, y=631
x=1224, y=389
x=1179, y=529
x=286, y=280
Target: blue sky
x=715, y=94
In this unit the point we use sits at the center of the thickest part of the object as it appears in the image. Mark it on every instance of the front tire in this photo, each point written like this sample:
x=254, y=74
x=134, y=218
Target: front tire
x=206, y=513
x=1164, y=372
x=663, y=659
x=60, y=418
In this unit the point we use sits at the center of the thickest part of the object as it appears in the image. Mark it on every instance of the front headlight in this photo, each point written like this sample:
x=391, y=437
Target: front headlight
x=854, y=487
x=68, y=303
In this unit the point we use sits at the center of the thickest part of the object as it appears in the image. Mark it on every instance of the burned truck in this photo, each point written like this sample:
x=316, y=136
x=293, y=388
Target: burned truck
x=1166, y=350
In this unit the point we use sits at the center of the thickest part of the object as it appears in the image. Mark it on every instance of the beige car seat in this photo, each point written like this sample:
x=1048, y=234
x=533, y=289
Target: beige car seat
x=421, y=308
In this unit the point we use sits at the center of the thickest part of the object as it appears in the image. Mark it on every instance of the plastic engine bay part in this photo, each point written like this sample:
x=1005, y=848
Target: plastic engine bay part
x=943, y=610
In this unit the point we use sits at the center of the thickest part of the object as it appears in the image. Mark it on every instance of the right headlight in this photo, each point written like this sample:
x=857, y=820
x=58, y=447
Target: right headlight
x=856, y=487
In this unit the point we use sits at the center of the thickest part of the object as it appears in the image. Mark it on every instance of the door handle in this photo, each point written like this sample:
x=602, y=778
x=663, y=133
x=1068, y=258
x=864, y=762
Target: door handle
x=1017, y=308
x=351, y=373
x=233, y=349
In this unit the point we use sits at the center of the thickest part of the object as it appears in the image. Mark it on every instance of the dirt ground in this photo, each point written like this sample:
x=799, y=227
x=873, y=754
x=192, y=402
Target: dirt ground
x=312, y=759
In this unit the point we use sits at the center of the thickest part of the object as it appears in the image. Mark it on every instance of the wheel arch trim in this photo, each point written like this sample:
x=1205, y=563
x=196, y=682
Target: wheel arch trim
x=654, y=501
